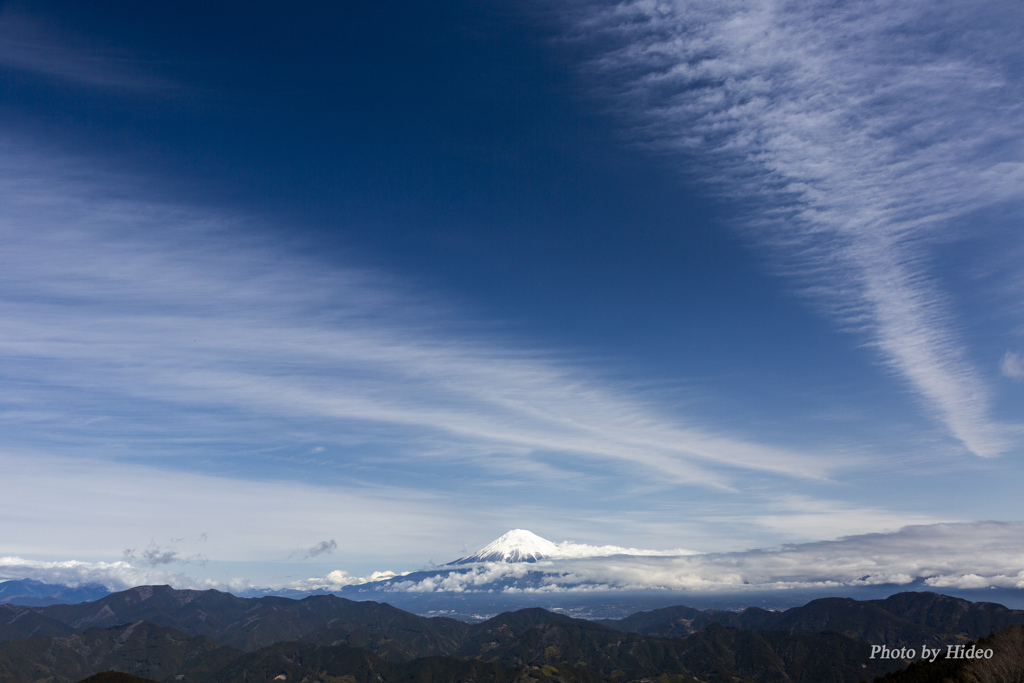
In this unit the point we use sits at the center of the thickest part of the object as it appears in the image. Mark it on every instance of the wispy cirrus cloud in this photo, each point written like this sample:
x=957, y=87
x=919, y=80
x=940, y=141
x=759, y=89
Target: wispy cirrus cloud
x=129, y=324
x=802, y=517
x=858, y=132
x=1012, y=365
x=28, y=45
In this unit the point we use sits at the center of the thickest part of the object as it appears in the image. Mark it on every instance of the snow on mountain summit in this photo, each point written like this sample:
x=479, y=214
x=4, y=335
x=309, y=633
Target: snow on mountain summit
x=518, y=545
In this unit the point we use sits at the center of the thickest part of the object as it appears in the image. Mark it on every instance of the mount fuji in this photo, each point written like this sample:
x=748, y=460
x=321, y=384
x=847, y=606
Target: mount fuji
x=518, y=562
x=521, y=569
x=518, y=545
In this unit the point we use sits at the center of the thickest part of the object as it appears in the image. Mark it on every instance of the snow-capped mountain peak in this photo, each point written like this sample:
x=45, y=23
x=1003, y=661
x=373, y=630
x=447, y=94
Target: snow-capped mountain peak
x=518, y=545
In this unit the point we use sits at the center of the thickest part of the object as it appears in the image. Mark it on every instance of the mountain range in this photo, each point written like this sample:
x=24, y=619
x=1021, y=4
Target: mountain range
x=198, y=636
x=62, y=634
x=32, y=592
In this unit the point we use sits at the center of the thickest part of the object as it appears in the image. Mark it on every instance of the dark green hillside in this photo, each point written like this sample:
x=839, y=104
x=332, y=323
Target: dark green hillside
x=159, y=604
x=400, y=639
x=159, y=653
x=328, y=619
x=952, y=615
x=499, y=632
x=538, y=638
x=726, y=654
x=388, y=631
x=669, y=622
x=23, y=622
x=144, y=649
x=340, y=664
x=116, y=677
x=251, y=623
x=906, y=619
x=532, y=645
x=853, y=618
x=330, y=639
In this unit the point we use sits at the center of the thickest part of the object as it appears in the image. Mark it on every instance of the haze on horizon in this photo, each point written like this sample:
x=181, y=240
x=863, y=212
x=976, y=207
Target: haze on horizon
x=293, y=291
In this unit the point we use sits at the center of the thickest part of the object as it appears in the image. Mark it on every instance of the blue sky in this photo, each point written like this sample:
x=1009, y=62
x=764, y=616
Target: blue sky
x=292, y=290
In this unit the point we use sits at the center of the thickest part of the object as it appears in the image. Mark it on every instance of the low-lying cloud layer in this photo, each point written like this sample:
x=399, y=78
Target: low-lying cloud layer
x=973, y=555
x=114, y=576
x=339, y=579
x=968, y=555
x=570, y=550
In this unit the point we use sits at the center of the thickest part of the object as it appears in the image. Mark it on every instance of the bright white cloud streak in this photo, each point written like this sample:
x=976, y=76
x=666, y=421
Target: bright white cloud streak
x=862, y=131
x=136, y=327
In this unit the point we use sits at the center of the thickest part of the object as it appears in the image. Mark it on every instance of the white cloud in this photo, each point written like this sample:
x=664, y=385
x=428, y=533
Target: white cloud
x=964, y=581
x=339, y=579
x=127, y=316
x=1012, y=365
x=860, y=130
x=569, y=549
x=963, y=555
x=968, y=555
x=114, y=576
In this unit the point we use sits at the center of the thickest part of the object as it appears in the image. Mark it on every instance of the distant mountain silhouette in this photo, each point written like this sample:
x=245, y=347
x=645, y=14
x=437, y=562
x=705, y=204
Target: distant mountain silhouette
x=36, y=593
